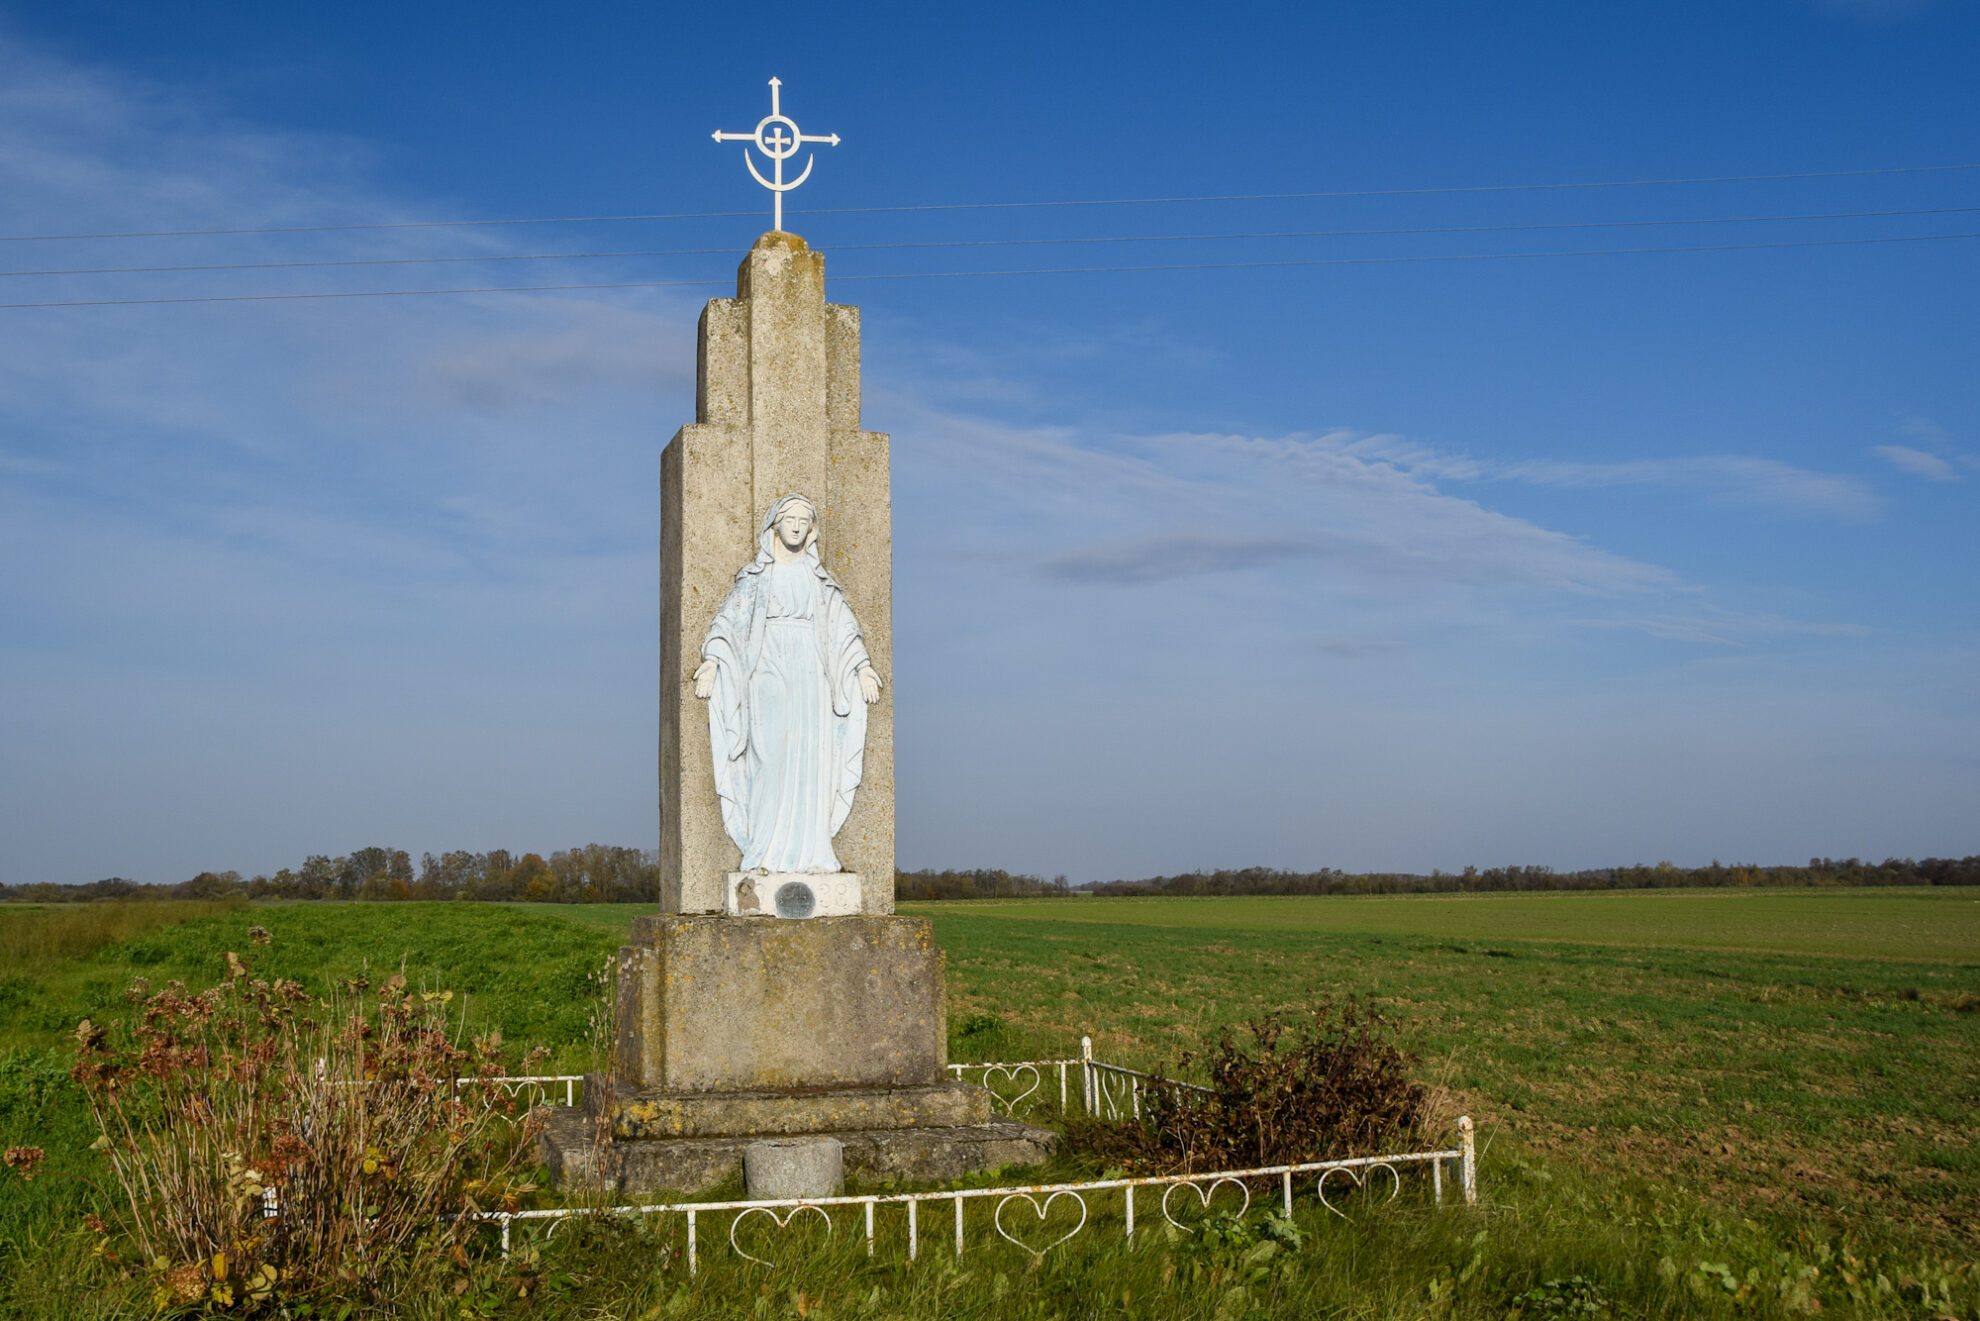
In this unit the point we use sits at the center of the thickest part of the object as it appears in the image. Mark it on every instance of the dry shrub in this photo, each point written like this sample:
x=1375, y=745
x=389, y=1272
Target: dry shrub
x=1326, y=1084
x=270, y=1144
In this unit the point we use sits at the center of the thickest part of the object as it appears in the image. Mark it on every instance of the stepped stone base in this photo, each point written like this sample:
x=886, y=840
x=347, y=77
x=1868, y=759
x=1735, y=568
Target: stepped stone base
x=651, y=1115
x=734, y=1030
x=691, y=1164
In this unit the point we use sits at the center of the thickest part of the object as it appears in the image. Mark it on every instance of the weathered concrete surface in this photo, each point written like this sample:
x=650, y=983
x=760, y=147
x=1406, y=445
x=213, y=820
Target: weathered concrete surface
x=778, y=1168
x=729, y=1114
x=777, y=410
x=724, y=1004
x=689, y=1165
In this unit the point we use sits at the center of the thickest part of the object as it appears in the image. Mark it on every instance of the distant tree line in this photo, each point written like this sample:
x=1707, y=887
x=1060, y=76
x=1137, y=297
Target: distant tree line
x=604, y=874
x=1664, y=875
x=976, y=885
x=593, y=874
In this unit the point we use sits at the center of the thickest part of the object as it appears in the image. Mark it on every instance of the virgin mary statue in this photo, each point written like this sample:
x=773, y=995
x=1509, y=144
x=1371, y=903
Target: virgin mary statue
x=787, y=681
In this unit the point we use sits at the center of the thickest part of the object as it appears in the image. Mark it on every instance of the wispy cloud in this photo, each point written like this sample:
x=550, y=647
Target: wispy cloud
x=1725, y=628
x=1732, y=479
x=1932, y=453
x=1120, y=510
x=1725, y=478
x=1153, y=559
x=1916, y=462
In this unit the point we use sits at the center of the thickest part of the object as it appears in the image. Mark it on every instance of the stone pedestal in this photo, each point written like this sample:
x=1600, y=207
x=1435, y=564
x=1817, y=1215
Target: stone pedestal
x=759, y=1005
x=732, y=1030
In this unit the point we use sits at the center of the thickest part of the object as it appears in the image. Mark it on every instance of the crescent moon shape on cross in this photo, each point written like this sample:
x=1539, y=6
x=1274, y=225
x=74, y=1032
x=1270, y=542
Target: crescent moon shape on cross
x=809, y=161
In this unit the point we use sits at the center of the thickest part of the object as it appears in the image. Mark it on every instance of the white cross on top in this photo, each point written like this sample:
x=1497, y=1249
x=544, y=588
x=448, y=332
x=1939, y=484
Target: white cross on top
x=773, y=141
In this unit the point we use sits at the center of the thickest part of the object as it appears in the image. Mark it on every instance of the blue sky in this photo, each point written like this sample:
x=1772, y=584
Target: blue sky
x=1365, y=562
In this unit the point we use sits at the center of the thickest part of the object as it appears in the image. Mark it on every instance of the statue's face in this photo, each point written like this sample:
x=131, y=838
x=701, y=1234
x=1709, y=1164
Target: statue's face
x=793, y=527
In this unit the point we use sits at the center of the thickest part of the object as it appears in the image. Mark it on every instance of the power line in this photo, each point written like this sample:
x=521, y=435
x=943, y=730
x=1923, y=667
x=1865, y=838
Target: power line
x=1406, y=192
x=390, y=261
x=1046, y=270
x=998, y=206
x=371, y=293
x=1003, y=243
x=1400, y=261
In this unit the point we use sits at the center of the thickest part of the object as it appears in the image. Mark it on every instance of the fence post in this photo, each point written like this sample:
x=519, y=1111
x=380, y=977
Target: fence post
x=1469, y=1172
x=691, y=1257
x=869, y=1227
x=1086, y=1073
x=1062, y=1087
x=912, y=1204
x=1130, y=1212
x=959, y=1228
x=1286, y=1187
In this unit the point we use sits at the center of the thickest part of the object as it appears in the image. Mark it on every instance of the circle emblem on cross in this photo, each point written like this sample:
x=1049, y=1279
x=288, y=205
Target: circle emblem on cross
x=776, y=146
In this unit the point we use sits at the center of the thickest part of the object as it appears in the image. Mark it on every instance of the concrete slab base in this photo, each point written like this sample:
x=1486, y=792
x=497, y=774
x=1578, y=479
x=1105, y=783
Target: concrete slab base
x=570, y=1149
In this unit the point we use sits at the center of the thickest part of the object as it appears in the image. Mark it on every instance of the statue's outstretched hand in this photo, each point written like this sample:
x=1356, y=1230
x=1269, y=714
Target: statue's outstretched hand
x=704, y=680
x=869, y=685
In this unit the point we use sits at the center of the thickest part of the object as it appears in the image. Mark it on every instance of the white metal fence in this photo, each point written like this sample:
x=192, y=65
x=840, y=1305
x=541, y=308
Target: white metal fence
x=1105, y=1090
x=1355, y=1174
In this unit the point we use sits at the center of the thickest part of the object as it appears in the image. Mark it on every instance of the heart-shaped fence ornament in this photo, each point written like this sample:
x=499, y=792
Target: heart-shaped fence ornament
x=781, y=1221
x=492, y=1090
x=1359, y=1178
x=1113, y=1106
x=1013, y=1074
x=1203, y=1195
x=513, y=1090
x=1043, y=1209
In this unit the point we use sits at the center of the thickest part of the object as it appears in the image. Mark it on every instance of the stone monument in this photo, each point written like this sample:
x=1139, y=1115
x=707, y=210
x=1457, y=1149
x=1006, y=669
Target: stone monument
x=775, y=996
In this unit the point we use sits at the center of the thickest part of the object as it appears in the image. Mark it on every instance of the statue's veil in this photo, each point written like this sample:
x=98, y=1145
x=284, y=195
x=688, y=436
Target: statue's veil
x=766, y=554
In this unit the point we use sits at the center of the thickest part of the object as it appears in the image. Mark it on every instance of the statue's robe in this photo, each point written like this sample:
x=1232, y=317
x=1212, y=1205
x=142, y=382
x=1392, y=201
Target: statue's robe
x=787, y=720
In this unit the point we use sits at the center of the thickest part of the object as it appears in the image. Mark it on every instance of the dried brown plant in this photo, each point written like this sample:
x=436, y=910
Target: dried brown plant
x=1332, y=1082
x=268, y=1143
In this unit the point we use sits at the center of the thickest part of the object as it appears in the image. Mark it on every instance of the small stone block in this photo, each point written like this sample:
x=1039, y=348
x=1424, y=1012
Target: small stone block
x=794, y=1168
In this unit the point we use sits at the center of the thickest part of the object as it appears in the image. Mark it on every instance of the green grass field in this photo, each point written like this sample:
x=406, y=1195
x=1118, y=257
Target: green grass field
x=1665, y=1083
x=1911, y=925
